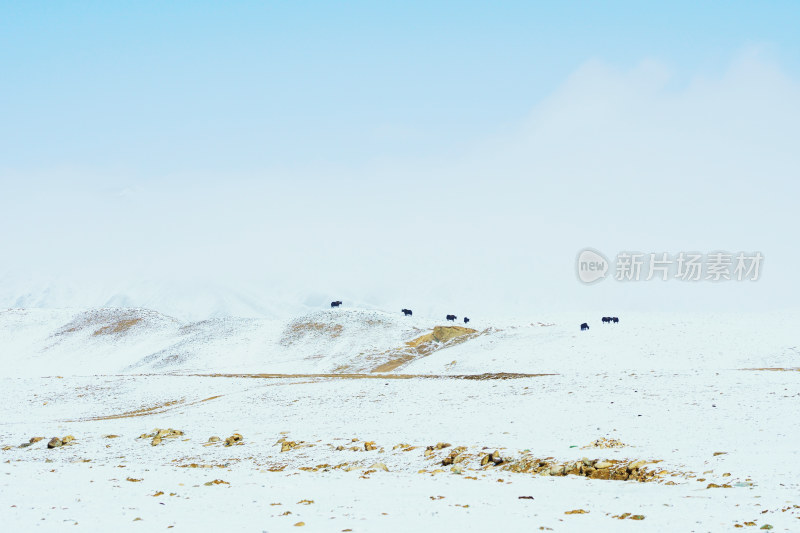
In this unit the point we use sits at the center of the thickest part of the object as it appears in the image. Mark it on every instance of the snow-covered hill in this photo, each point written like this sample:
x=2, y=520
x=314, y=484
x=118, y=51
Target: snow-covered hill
x=124, y=340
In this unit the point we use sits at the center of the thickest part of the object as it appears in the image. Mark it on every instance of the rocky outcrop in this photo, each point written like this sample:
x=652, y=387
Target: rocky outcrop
x=159, y=434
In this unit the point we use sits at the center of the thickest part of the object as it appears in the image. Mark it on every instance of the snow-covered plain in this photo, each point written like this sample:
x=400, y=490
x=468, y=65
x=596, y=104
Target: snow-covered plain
x=705, y=400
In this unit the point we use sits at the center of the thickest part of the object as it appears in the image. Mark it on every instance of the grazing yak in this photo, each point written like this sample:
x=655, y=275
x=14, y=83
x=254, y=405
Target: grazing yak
x=336, y=303
x=610, y=320
x=406, y=312
x=615, y=320
x=466, y=320
x=584, y=326
x=451, y=318
x=606, y=319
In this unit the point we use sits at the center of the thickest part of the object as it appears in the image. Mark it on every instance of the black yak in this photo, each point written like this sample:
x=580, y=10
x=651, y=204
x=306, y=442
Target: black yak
x=336, y=303
x=615, y=320
x=584, y=326
x=451, y=318
x=606, y=319
x=466, y=320
x=406, y=312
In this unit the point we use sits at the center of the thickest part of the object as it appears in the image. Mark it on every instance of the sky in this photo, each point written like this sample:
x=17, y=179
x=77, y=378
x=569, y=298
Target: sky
x=265, y=157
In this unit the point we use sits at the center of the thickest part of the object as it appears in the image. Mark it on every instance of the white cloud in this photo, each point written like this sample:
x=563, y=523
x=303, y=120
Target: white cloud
x=615, y=159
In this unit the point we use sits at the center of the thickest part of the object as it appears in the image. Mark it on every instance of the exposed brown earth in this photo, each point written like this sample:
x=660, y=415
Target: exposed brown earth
x=485, y=376
x=440, y=337
x=120, y=326
x=773, y=369
x=298, y=330
x=103, y=322
x=146, y=411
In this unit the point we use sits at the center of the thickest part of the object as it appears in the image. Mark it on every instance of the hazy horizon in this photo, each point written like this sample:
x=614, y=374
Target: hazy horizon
x=446, y=156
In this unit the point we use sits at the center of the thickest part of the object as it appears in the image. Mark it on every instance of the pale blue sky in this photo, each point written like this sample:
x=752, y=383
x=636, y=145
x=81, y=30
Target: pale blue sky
x=154, y=87
x=432, y=151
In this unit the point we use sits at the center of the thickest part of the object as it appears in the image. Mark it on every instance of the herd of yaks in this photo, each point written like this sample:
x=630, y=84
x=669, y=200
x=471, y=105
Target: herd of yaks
x=452, y=318
x=605, y=320
x=408, y=312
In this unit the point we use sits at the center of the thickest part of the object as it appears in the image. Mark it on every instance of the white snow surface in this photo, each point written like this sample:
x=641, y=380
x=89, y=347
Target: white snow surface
x=674, y=388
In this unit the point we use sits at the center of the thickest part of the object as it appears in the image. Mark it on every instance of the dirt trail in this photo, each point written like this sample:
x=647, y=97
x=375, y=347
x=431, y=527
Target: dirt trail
x=486, y=376
x=146, y=411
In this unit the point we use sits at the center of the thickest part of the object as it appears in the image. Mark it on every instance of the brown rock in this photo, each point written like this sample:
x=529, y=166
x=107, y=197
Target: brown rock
x=55, y=442
x=156, y=441
x=454, y=457
x=233, y=439
x=636, y=465
x=369, y=446
x=619, y=474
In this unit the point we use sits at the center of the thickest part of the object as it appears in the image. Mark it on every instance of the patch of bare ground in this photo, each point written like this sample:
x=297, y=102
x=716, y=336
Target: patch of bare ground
x=486, y=376
x=147, y=411
x=773, y=369
x=102, y=321
x=120, y=326
x=441, y=337
x=300, y=329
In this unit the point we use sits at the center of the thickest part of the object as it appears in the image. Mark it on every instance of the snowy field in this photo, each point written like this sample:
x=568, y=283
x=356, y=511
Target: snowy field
x=658, y=423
